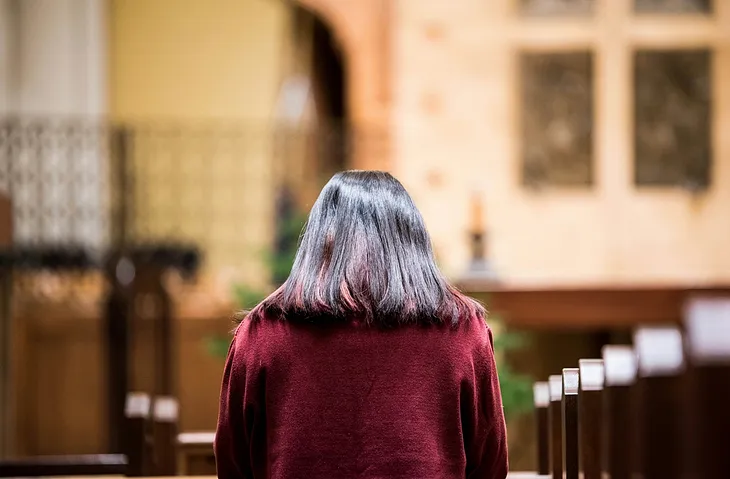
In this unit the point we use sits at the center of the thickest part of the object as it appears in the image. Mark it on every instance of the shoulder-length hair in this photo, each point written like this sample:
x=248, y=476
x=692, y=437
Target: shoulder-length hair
x=365, y=254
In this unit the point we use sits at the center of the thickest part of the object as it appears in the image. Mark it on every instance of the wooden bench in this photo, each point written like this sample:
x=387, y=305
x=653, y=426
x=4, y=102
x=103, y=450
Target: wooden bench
x=647, y=410
x=135, y=461
x=87, y=465
x=195, y=454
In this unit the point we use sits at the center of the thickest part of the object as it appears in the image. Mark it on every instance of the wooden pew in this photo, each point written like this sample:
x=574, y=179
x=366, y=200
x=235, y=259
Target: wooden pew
x=555, y=417
x=195, y=454
x=620, y=374
x=87, y=465
x=541, y=396
x=707, y=323
x=625, y=416
x=570, y=423
x=164, y=427
x=136, y=440
x=590, y=405
x=659, y=401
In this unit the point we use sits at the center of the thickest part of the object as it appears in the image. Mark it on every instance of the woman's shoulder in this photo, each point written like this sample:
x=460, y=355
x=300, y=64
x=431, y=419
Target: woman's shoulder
x=254, y=326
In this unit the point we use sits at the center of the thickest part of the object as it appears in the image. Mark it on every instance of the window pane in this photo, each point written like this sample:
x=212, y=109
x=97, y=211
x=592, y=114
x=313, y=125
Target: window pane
x=557, y=119
x=673, y=6
x=672, y=118
x=557, y=7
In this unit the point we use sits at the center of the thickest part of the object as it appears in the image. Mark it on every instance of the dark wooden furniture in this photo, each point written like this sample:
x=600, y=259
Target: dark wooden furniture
x=708, y=384
x=541, y=395
x=590, y=405
x=661, y=363
x=620, y=375
x=88, y=465
x=570, y=423
x=555, y=415
x=195, y=454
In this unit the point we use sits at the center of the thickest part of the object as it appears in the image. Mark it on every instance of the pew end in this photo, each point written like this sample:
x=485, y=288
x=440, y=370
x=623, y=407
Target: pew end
x=58, y=466
x=195, y=454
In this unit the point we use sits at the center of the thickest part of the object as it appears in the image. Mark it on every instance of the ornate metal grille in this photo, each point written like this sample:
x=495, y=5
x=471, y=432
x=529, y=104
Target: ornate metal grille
x=95, y=186
x=557, y=7
x=673, y=6
x=672, y=101
x=557, y=119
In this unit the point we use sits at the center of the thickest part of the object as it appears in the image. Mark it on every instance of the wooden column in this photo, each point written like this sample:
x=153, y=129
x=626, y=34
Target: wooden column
x=570, y=423
x=620, y=375
x=661, y=363
x=708, y=345
x=541, y=393
x=590, y=404
x=555, y=416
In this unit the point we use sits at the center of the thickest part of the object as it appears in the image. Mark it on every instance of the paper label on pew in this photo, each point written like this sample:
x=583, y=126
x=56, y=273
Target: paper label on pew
x=137, y=405
x=660, y=351
x=591, y=374
x=708, y=329
x=555, y=383
x=619, y=365
x=541, y=394
x=166, y=409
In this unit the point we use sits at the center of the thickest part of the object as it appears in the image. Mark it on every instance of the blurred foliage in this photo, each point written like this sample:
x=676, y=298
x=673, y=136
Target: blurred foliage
x=516, y=388
x=278, y=261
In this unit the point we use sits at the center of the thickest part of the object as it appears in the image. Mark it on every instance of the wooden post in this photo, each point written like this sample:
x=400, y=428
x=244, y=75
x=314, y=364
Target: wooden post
x=590, y=404
x=707, y=323
x=120, y=272
x=164, y=427
x=661, y=363
x=555, y=415
x=570, y=423
x=541, y=393
x=7, y=427
x=136, y=441
x=620, y=374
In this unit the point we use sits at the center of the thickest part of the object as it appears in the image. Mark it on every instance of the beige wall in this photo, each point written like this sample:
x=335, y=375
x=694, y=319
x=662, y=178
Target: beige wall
x=207, y=74
x=217, y=59
x=455, y=107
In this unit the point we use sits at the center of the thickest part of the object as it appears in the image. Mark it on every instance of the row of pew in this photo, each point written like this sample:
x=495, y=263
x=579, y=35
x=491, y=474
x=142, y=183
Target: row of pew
x=656, y=409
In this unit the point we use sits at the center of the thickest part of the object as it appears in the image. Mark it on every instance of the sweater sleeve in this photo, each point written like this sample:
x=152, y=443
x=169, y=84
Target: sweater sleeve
x=232, y=444
x=485, y=434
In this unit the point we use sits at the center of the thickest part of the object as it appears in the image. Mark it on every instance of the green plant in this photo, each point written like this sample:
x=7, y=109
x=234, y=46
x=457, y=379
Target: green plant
x=516, y=388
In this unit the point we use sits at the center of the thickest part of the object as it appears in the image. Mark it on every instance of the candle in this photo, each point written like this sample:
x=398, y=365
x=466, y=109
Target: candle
x=477, y=214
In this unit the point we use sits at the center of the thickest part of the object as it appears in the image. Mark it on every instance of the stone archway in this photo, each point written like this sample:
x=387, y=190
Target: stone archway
x=363, y=29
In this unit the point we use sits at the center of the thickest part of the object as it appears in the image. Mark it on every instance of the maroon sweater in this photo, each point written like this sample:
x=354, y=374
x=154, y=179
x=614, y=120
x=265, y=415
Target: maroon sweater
x=348, y=401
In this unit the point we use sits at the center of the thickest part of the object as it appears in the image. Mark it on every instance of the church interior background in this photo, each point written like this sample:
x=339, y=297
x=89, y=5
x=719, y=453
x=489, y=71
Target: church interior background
x=571, y=159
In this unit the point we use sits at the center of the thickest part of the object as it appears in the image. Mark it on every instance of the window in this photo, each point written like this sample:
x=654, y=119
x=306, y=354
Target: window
x=557, y=7
x=672, y=6
x=625, y=87
x=672, y=118
x=557, y=118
